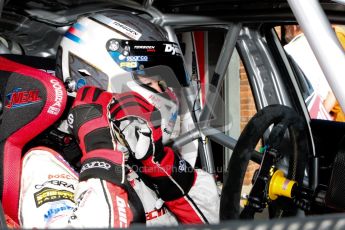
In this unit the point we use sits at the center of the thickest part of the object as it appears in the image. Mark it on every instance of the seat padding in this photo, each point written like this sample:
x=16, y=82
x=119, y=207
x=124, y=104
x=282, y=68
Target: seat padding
x=32, y=100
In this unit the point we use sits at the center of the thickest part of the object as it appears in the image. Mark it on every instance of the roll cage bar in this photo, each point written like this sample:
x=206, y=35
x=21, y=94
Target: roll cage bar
x=318, y=31
x=313, y=21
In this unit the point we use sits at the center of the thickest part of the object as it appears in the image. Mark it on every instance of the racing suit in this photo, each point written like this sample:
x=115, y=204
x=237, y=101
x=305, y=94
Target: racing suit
x=53, y=196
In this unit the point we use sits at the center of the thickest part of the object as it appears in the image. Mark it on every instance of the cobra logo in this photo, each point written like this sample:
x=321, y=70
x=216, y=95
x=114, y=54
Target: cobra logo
x=54, y=182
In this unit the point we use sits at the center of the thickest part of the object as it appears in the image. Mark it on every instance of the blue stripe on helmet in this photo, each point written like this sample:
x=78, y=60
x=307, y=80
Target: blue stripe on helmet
x=72, y=37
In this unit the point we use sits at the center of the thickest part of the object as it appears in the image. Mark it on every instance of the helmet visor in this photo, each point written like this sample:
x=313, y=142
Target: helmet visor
x=159, y=86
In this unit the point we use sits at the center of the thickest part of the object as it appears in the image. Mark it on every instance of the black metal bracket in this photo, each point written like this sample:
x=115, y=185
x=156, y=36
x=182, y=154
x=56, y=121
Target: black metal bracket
x=258, y=196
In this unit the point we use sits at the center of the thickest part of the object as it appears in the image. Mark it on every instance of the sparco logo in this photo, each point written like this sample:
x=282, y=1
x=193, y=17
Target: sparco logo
x=95, y=164
x=137, y=58
x=172, y=48
x=126, y=30
x=56, y=107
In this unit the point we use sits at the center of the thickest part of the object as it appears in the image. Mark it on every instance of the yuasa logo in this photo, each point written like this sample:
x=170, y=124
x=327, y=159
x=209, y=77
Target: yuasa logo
x=56, y=107
x=172, y=48
x=20, y=98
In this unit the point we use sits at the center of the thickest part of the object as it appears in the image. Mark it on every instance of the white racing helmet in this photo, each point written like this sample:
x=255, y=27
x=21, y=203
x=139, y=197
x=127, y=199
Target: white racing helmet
x=115, y=51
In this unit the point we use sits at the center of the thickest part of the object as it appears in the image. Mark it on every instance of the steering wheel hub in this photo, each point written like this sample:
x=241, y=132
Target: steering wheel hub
x=280, y=186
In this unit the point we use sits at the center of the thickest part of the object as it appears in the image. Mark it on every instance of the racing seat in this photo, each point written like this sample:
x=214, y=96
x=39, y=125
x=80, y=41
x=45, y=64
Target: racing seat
x=31, y=101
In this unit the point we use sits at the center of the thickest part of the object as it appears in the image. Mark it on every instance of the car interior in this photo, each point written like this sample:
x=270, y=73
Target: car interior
x=250, y=100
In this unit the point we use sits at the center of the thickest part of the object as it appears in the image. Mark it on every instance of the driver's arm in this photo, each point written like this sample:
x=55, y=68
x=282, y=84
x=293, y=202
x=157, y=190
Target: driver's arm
x=190, y=194
x=102, y=175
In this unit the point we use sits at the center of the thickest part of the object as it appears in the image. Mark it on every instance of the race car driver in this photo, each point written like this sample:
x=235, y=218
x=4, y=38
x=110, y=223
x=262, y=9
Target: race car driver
x=122, y=71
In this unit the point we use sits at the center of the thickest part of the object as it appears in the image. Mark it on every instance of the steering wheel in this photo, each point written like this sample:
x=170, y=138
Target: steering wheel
x=282, y=118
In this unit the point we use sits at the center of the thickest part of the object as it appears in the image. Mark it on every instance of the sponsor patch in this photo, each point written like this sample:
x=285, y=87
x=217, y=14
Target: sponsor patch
x=113, y=45
x=137, y=58
x=18, y=98
x=70, y=120
x=55, y=182
x=60, y=176
x=147, y=48
x=182, y=166
x=121, y=206
x=129, y=64
x=52, y=212
x=81, y=83
x=173, y=49
x=56, y=107
x=122, y=28
x=155, y=213
x=49, y=195
x=132, y=33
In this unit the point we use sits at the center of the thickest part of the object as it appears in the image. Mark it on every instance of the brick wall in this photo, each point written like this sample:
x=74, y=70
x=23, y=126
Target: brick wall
x=247, y=101
x=247, y=111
